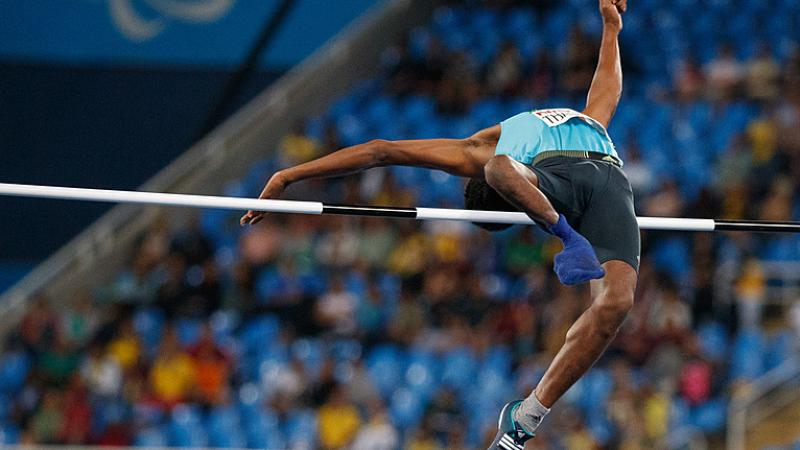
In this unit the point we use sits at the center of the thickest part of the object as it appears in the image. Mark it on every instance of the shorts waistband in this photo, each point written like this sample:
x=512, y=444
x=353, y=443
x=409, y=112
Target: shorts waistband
x=595, y=156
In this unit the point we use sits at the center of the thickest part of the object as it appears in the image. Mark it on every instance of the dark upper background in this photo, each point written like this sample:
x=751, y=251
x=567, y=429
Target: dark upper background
x=99, y=96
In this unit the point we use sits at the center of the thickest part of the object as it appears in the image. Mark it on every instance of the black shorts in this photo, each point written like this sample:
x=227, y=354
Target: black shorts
x=597, y=200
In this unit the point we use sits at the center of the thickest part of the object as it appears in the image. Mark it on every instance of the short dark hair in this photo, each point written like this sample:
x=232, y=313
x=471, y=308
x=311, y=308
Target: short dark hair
x=478, y=195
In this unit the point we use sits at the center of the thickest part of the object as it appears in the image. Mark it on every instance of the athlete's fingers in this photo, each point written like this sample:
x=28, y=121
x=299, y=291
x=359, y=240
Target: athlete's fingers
x=622, y=5
x=245, y=218
x=257, y=219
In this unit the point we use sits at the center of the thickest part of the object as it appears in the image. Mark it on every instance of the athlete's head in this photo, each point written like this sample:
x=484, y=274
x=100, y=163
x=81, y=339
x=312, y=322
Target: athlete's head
x=478, y=195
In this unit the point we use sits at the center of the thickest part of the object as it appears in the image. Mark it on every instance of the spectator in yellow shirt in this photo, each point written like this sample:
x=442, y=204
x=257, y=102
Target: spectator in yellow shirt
x=172, y=377
x=125, y=348
x=339, y=420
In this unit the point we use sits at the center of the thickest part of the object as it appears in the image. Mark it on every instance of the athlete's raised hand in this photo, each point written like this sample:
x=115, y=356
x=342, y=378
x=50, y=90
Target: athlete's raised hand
x=612, y=12
x=273, y=190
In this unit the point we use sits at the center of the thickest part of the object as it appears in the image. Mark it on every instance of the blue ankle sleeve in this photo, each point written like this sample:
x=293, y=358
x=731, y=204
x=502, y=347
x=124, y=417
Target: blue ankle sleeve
x=562, y=229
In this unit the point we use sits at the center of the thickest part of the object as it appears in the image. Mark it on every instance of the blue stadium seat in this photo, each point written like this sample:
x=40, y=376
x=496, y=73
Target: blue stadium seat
x=223, y=324
x=673, y=256
x=421, y=376
x=258, y=331
x=385, y=365
x=595, y=387
x=747, y=359
x=459, y=369
x=405, y=408
x=779, y=349
x=224, y=428
x=346, y=350
x=311, y=352
x=185, y=428
x=9, y=434
x=602, y=430
x=301, y=428
x=14, y=368
x=679, y=414
x=710, y=417
x=151, y=437
x=149, y=324
x=713, y=340
x=188, y=330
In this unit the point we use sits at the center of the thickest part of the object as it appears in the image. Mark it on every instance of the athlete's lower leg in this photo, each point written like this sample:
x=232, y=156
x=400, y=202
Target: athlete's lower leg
x=586, y=340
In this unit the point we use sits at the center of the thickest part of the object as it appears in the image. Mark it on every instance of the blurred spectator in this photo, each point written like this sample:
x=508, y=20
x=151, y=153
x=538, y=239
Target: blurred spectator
x=296, y=148
x=541, y=82
x=339, y=420
x=578, y=437
x=378, y=433
x=370, y=314
x=656, y=412
x=724, y=74
x=211, y=369
x=639, y=174
x=408, y=320
x=689, y=82
x=101, y=372
x=338, y=247
x=579, y=63
x=125, y=347
x=172, y=376
x=443, y=412
x=47, y=423
x=77, y=414
x=622, y=407
x=778, y=205
x=670, y=318
x=377, y=242
x=762, y=135
x=155, y=244
x=336, y=309
x=505, y=73
x=260, y=245
x=57, y=363
x=666, y=202
x=423, y=439
x=751, y=292
x=763, y=75
x=734, y=168
x=38, y=327
x=78, y=322
x=695, y=382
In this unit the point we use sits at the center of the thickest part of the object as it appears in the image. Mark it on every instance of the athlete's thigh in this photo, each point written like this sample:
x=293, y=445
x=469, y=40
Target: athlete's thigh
x=609, y=222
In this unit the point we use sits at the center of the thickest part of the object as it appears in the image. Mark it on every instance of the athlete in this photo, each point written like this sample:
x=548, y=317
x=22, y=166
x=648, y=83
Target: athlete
x=560, y=167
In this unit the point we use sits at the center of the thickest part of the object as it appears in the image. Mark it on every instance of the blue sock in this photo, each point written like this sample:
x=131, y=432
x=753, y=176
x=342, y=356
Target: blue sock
x=577, y=263
x=562, y=229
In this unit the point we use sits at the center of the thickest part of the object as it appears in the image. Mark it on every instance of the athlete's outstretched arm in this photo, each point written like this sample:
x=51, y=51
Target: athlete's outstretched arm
x=606, y=89
x=463, y=157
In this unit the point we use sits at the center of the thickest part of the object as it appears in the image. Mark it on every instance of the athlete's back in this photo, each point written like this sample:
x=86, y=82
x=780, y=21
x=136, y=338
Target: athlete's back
x=528, y=134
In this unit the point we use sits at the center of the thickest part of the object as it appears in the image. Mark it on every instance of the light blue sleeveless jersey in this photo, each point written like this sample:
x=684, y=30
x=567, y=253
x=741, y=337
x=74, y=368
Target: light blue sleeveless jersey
x=527, y=134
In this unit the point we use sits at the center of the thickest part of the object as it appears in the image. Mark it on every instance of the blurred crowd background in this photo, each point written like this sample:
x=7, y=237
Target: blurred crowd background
x=331, y=332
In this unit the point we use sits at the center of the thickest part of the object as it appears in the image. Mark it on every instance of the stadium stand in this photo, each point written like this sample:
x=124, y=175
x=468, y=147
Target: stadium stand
x=370, y=334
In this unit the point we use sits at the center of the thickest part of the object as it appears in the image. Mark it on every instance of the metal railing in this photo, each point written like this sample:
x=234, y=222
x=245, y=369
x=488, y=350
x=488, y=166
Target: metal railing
x=759, y=400
x=782, y=279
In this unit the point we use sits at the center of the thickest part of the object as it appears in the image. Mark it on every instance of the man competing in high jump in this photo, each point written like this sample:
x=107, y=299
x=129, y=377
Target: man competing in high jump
x=560, y=167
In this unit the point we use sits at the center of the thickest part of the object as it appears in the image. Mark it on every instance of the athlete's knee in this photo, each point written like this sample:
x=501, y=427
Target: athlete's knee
x=497, y=170
x=613, y=305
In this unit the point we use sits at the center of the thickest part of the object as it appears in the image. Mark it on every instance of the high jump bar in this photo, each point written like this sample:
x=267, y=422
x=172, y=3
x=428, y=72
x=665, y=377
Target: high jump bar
x=318, y=208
